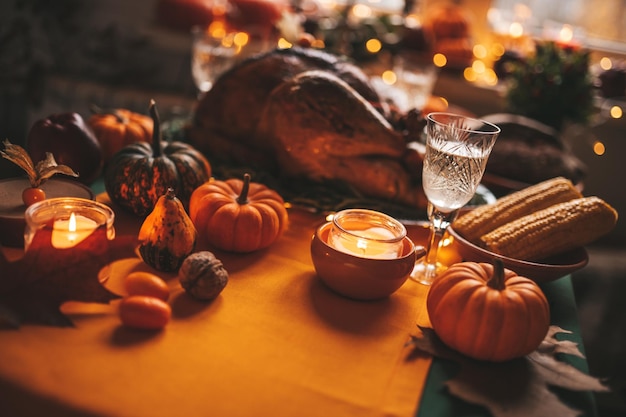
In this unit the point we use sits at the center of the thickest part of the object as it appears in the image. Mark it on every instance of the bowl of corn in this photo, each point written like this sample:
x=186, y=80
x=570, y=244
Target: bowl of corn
x=544, y=270
x=539, y=232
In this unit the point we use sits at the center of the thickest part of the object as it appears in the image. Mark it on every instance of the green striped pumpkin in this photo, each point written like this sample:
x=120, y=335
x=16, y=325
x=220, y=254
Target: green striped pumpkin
x=138, y=174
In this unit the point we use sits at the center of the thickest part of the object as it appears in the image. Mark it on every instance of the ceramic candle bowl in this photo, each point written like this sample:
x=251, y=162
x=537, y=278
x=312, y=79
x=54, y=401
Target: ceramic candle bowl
x=357, y=277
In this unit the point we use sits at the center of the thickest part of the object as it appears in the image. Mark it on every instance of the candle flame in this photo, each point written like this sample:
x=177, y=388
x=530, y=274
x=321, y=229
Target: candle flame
x=362, y=244
x=72, y=223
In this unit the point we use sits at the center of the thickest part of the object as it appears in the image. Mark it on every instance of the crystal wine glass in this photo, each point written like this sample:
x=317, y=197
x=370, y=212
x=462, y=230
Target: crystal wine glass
x=457, y=149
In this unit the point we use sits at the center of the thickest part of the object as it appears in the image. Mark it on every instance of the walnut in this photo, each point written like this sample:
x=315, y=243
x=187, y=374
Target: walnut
x=202, y=275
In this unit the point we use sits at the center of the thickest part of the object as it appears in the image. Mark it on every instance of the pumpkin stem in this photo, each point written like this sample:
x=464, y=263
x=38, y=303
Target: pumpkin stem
x=243, y=197
x=156, y=130
x=497, y=279
x=170, y=193
x=95, y=109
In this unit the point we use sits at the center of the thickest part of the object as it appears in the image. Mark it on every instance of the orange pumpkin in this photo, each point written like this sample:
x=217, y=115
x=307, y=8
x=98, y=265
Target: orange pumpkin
x=237, y=216
x=488, y=312
x=118, y=128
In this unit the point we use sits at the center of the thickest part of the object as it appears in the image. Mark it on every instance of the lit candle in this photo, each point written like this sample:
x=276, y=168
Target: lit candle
x=67, y=233
x=367, y=234
x=67, y=221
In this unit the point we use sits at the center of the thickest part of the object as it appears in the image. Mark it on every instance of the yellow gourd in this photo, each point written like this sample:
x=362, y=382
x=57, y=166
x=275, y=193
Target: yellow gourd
x=167, y=236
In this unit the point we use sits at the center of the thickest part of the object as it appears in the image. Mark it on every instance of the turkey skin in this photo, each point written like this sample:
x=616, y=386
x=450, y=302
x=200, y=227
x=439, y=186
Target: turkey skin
x=301, y=112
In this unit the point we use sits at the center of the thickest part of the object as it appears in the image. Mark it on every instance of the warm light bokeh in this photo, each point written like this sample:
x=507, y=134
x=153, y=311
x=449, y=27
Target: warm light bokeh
x=606, y=63
x=598, y=148
x=440, y=60
x=373, y=46
x=389, y=77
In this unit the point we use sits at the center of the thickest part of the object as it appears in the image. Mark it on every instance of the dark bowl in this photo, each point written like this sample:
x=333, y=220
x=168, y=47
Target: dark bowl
x=545, y=270
x=361, y=278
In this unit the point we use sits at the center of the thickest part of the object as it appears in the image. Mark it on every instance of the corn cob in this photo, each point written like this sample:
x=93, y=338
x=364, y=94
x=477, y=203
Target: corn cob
x=553, y=230
x=484, y=219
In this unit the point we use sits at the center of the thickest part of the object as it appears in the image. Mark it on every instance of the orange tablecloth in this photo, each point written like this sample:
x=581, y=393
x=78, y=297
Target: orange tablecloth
x=275, y=342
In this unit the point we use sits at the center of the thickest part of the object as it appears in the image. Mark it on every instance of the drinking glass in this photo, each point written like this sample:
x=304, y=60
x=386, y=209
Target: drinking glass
x=457, y=149
x=417, y=76
x=212, y=53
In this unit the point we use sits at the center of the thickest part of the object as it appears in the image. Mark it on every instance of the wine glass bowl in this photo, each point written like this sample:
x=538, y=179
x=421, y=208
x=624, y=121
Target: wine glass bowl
x=457, y=149
x=212, y=53
x=416, y=77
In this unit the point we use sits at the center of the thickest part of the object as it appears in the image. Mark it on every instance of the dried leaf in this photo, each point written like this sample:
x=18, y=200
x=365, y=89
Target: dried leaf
x=551, y=345
x=39, y=173
x=517, y=388
x=46, y=163
x=33, y=288
x=48, y=171
x=19, y=157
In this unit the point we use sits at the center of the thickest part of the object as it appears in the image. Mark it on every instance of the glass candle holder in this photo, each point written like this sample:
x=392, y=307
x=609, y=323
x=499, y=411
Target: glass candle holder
x=68, y=221
x=367, y=234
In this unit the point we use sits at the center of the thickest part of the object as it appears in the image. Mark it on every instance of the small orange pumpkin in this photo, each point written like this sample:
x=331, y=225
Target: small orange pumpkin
x=488, y=312
x=119, y=127
x=237, y=216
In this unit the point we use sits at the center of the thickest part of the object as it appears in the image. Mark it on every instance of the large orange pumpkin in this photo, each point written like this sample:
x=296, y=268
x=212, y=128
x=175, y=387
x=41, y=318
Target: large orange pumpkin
x=488, y=312
x=237, y=216
x=119, y=127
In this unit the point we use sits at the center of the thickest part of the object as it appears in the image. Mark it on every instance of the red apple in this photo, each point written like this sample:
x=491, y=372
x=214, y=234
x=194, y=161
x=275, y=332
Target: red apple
x=70, y=140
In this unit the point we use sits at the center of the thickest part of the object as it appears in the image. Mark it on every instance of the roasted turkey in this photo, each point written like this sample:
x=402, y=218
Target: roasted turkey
x=302, y=112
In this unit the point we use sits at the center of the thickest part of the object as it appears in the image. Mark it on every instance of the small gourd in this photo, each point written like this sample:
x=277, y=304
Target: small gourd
x=203, y=276
x=167, y=236
x=237, y=216
x=488, y=312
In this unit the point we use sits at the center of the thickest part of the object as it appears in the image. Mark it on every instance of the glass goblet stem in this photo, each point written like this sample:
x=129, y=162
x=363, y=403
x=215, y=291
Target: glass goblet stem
x=426, y=270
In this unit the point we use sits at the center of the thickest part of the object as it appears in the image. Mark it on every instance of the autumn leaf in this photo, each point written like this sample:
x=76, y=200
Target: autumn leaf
x=33, y=288
x=516, y=388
